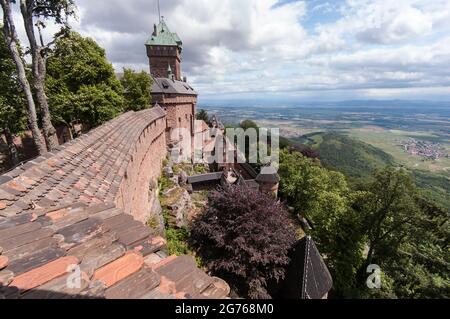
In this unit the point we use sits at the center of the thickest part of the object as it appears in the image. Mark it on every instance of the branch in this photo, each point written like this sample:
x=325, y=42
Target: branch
x=396, y=226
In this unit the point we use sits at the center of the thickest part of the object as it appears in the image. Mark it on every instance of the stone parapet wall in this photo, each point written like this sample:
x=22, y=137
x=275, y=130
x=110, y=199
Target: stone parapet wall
x=112, y=163
x=143, y=170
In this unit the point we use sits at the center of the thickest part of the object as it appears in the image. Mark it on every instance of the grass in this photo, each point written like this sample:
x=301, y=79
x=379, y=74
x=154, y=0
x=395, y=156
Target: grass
x=189, y=169
x=178, y=240
x=165, y=184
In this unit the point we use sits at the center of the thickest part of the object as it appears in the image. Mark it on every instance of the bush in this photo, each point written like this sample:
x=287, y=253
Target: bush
x=244, y=237
x=164, y=184
x=177, y=241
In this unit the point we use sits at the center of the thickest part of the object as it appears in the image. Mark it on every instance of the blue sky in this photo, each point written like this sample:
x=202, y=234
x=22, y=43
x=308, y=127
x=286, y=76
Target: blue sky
x=272, y=49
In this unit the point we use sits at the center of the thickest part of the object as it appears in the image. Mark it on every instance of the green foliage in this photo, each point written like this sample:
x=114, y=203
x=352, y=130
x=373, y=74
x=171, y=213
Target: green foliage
x=165, y=183
x=354, y=158
x=12, y=101
x=177, y=241
x=309, y=186
x=358, y=161
x=202, y=115
x=433, y=186
x=58, y=10
x=81, y=83
x=323, y=197
x=137, y=88
x=246, y=124
x=383, y=220
x=200, y=169
x=406, y=235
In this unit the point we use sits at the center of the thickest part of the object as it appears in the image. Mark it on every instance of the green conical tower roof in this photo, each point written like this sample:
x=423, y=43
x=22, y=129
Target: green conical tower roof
x=162, y=36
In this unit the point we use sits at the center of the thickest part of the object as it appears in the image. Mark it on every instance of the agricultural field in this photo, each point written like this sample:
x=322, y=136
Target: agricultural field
x=390, y=142
x=358, y=137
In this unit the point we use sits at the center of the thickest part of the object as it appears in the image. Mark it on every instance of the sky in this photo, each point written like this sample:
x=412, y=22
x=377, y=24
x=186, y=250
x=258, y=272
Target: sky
x=286, y=49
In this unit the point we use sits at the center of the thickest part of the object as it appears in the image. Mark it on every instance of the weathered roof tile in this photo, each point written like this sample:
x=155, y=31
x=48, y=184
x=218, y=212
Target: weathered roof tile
x=41, y=275
x=58, y=211
x=119, y=269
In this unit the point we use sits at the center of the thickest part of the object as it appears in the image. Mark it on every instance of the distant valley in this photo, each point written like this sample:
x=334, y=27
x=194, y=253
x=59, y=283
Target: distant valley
x=358, y=137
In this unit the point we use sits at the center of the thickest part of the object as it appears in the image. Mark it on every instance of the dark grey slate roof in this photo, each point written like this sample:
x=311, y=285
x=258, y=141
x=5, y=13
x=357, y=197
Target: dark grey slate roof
x=205, y=178
x=249, y=169
x=252, y=184
x=168, y=86
x=268, y=175
x=308, y=276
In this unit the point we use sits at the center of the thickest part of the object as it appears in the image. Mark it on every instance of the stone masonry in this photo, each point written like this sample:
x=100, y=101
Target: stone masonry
x=71, y=222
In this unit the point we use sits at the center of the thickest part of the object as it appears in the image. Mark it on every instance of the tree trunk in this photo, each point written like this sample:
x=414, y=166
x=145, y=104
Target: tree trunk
x=39, y=73
x=11, y=146
x=13, y=44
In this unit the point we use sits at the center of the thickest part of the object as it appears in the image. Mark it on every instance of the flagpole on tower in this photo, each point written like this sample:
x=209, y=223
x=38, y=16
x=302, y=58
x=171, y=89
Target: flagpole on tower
x=159, y=12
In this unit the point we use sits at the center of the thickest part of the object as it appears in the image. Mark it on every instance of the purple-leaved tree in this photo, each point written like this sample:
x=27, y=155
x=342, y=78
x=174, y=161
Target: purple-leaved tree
x=244, y=237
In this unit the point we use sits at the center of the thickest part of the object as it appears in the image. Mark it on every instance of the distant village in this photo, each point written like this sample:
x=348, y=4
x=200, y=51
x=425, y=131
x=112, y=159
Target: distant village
x=425, y=149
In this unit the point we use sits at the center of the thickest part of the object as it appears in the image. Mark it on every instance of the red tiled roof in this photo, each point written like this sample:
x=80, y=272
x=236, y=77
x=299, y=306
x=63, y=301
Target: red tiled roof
x=58, y=211
x=201, y=126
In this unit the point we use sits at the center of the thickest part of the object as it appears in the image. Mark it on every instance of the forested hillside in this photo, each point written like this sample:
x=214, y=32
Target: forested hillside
x=358, y=160
x=382, y=220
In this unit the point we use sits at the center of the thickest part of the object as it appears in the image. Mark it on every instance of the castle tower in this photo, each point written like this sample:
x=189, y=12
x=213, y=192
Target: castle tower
x=268, y=180
x=163, y=49
x=169, y=90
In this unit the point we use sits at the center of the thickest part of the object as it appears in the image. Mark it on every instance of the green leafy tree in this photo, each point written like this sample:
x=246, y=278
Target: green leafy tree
x=324, y=199
x=246, y=124
x=202, y=115
x=407, y=236
x=81, y=83
x=12, y=102
x=35, y=14
x=13, y=44
x=137, y=88
x=383, y=221
x=389, y=207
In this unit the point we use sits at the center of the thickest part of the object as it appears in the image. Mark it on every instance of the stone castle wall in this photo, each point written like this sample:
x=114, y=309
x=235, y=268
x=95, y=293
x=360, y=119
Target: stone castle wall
x=161, y=57
x=180, y=112
x=140, y=181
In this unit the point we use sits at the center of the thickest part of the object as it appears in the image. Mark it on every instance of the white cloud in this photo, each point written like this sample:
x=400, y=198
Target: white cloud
x=264, y=46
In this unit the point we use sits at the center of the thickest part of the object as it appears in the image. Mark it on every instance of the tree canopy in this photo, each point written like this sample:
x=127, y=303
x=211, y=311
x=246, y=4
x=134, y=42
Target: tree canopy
x=244, y=237
x=383, y=221
x=12, y=110
x=13, y=119
x=202, y=115
x=246, y=124
x=81, y=83
x=137, y=87
x=406, y=235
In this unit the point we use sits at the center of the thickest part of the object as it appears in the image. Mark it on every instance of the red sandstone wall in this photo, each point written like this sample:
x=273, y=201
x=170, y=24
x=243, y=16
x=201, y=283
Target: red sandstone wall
x=160, y=57
x=180, y=111
x=144, y=167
